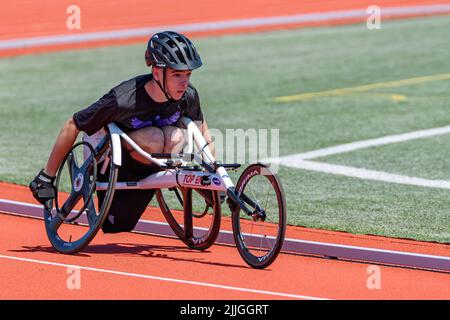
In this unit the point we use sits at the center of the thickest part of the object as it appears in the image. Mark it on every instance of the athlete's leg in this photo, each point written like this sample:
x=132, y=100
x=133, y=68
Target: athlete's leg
x=128, y=205
x=150, y=139
x=174, y=139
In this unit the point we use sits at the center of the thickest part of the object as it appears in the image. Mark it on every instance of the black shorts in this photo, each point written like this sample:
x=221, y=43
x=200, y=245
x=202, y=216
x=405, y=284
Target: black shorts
x=127, y=205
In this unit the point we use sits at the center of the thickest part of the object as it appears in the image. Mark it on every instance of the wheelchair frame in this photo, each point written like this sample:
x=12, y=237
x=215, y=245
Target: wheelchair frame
x=210, y=175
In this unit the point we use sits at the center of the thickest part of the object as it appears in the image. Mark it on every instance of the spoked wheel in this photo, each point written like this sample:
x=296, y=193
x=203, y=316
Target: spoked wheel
x=259, y=237
x=186, y=211
x=75, y=202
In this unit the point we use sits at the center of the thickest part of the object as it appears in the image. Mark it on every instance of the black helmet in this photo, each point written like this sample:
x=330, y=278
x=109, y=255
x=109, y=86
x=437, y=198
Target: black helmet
x=170, y=49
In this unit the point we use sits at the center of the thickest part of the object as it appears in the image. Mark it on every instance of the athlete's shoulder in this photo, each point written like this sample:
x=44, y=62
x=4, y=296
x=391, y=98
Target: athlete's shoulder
x=125, y=92
x=131, y=84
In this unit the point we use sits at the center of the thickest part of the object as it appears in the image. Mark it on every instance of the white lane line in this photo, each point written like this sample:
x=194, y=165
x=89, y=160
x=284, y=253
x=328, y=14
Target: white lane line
x=32, y=214
x=24, y=204
x=219, y=25
x=317, y=243
x=143, y=276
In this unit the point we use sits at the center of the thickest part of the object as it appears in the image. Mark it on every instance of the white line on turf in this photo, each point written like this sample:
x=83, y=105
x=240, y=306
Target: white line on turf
x=300, y=160
x=219, y=25
x=363, y=144
x=366, y=174
x=144, y=276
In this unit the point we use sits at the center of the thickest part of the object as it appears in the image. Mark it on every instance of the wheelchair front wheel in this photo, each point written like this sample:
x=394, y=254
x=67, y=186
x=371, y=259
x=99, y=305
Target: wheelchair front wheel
x=259, y=237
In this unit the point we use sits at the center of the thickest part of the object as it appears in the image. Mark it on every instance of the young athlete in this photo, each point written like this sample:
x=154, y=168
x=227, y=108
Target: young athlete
x=149, y=109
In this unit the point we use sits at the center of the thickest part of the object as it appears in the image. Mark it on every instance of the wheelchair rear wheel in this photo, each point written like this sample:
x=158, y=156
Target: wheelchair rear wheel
x=75, y=202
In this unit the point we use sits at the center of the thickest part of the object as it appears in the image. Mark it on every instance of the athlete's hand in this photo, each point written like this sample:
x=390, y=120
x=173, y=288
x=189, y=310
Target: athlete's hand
x=42, y=187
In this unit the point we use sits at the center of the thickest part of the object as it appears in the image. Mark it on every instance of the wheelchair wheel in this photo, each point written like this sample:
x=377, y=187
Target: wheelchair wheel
x=75, y=202
x=184, y=211
x=259, y=237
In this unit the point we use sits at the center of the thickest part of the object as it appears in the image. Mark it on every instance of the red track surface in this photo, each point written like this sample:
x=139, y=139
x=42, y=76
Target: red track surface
x=124, y=266
x=22, y=194
x=24, y=18
x=169, y=258
x=143, y=256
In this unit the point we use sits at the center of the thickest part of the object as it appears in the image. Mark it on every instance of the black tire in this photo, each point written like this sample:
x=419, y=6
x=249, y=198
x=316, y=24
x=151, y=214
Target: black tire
x=194, y=238
x=260, y=250
x=93, y=216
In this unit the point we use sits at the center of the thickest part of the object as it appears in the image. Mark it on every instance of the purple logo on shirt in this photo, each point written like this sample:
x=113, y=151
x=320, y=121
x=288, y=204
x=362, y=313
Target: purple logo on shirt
x=158, y=122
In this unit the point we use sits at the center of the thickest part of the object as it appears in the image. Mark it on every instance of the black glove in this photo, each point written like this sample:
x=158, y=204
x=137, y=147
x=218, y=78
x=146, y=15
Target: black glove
x=42, y=187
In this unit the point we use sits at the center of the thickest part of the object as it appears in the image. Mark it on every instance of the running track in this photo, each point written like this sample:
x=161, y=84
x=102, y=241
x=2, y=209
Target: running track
x=134, y=266
x=32, y=20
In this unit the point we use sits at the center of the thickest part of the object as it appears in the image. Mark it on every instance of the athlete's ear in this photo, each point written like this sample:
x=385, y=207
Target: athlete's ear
x=156, y=71
x=147, y=58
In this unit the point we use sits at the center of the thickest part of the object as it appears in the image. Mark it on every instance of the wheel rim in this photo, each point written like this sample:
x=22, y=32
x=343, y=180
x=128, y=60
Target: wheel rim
x=205, y=227
x=63, y=235
x=82, y=176
x=259, y=238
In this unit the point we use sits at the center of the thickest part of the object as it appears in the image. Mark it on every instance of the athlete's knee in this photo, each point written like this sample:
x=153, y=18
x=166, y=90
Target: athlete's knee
x=155, y=140
x=150, y=139
x=174, y=139
x=176, y=136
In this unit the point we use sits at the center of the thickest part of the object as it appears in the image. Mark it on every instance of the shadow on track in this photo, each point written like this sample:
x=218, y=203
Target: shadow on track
x=133, y=250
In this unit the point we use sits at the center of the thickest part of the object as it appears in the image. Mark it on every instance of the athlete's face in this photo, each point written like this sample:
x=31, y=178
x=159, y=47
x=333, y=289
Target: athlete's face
x=176, y=82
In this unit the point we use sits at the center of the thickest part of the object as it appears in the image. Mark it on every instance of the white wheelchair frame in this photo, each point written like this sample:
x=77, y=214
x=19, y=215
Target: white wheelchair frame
x=174, y=173
x=169, y=178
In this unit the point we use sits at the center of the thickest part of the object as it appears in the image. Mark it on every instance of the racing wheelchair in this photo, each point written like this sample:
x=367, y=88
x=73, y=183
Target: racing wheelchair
x=257, y=202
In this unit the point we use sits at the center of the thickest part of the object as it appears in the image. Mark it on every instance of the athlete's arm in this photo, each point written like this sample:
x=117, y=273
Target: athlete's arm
x=64, y=142
x=42, y=186
x=206, y=134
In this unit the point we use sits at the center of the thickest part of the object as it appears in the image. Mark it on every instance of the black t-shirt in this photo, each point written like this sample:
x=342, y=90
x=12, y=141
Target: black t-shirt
x=130, y=107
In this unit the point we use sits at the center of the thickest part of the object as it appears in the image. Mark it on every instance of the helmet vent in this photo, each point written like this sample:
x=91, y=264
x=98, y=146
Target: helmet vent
x=175, y=50
x=179, y=55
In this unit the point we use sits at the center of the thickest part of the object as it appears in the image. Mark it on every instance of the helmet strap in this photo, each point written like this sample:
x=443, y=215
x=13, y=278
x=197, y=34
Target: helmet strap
x=163, y=86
